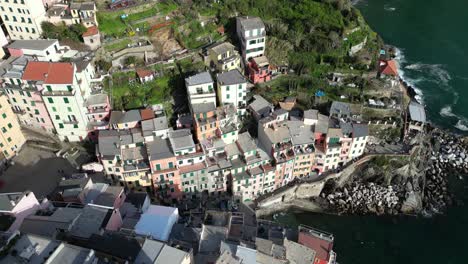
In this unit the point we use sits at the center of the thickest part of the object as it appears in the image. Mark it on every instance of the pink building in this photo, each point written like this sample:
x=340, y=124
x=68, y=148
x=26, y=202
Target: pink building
x=23, y=89
x=165, y=172
x=98, y=114
x=19, y=206
x=258, y=69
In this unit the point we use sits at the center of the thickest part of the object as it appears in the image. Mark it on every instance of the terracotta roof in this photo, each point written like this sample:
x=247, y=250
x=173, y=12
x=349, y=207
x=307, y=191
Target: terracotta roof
x=389, y=68
x=36, y=71
x=146, y=114
x=91, y=31
x=49, y=72
x=321, y=247
x=143, y=73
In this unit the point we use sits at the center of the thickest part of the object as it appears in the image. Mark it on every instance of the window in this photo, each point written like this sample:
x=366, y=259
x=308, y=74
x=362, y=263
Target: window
x=10, y=125
x=33, y=103
x=4, y=115
x=252, y=42
x=28, y=93
x=54, y=109
x=50, y=100
x=60, y=125
x=36, y=112
x=227, y=88
x=6, y=17
x=69, y=87
x=171, y=165
x=66, y=100
x=4, y=130
x=9, y=139
x=29, y=21
x=69, y=109
x=24, y=101
x=158, y=166
x=227, y=96
x=57, y=117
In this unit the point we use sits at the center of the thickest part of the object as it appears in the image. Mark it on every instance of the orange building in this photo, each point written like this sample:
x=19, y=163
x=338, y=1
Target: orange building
x=205, y=122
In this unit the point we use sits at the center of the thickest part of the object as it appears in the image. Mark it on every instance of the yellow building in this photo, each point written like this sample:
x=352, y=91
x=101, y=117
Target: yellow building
x=224, y=57
x=11, y=137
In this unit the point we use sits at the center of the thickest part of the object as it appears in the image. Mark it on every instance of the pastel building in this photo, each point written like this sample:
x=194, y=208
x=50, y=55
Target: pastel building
x=98, y=113
x=206, y=122
x=276, y=140
x=360, y=137
x=17, y=206
x=84, y=13
x=24, y=91
x=224, y=57
x=164, y=169
x=252, y=36
x=191, y=161
x=92, y=38
x=258, y=69
x=200, y=89
x=23, y=18
x=11, y=137
x=3, y=42
x=232, y=89
x=64, y=95
x=38, y=49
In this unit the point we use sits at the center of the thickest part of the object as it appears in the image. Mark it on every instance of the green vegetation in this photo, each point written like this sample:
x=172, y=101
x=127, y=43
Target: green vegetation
x=166, y=7
x=128, y=93
x=111, y=23
x=62, y=31
x=307, y=35
x=117, y=45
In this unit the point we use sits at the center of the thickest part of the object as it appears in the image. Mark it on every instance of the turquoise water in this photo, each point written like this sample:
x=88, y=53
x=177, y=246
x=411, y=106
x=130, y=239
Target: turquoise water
x=433, y=40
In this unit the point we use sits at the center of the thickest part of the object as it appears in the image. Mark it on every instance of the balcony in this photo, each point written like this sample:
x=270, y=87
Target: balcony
x=70, y=122
x=99, y=110
x=282, y=146
x=18, y=112
x=59, y=93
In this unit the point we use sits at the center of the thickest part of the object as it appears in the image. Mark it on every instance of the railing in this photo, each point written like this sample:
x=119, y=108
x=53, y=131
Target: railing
x=70, y=122
x=317, y=233
x=59, y=93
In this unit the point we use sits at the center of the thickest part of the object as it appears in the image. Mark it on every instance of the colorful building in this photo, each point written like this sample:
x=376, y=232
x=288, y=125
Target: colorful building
x=11, y=137
x=258, y=69
x=232, y=89
x=23, y=18
x=224, y=57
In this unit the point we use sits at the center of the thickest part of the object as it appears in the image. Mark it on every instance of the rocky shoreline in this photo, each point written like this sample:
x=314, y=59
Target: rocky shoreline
x=424, y=193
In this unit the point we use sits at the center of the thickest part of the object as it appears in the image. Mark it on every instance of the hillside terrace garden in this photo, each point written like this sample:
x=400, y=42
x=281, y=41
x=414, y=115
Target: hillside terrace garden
x=126, y=92
x=123, y=23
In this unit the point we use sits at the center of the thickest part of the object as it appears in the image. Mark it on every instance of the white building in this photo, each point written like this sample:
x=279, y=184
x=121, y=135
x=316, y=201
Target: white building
x=200, y=89
x=232, y=89
x=39, y=49
x=252, y=36
x=360, y=136
x=64, y=96
x=23, y=18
